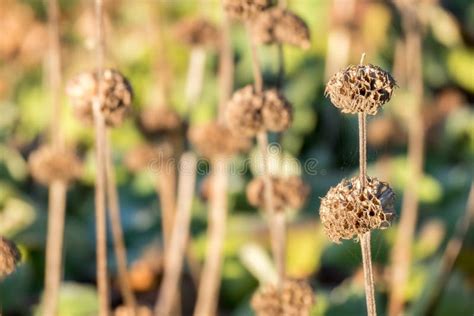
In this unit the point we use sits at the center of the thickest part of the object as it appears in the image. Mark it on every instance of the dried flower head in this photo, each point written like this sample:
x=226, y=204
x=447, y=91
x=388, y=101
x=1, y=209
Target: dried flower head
x=116, y=95
x=214, y=140
x=361, y=88
x=245, y=9
x=150, y=156
x=346, y=211
x=288, y=192
x=294, y=298
x=277, y=111
x=277, y=25
x=9, y=257
x=197, y=31
x=48, y=164
x=159, y=121
x=141, y=310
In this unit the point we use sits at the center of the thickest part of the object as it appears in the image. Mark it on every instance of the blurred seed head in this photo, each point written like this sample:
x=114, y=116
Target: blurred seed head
x=9, y=257
x=159, y=121
x=48, y=164
x=277, y=25
x=294, y=298
x=361, y=88
x=245, y=9
x=141, y=310
x=197, y=31
x=277, y=111
x=116, y=95
x=149, y=156
x=346, y=211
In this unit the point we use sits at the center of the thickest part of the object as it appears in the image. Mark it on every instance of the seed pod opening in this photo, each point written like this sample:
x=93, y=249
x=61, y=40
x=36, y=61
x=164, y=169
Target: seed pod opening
x=156, y=122
x=245, y=9
x=47, y=164
x=346, y=211
x=116, y=95
x=9, y=257
x=361, y=88
x=197, y=32
x=294, y=298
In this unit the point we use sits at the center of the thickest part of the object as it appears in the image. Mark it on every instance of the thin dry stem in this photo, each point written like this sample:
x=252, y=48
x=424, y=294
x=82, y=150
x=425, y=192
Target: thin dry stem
x=195, y=76
x=362, y=149
x=226, y=68
x=179, y=236
x=54, y=246
x=257, y=74
x=117, y=232
x=208, y=293
x=368, y=274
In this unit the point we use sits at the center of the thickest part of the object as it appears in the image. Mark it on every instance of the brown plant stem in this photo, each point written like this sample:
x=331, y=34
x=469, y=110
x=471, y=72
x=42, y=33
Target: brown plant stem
x=195, y=75
x=54, y=246
x=208, y=293
x=117, y=232
x=226, y=68
x=179, y=236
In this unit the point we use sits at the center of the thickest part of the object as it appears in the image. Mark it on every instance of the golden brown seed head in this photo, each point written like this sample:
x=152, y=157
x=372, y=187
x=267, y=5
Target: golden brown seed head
x=245, y=9
x=9, y=257
x=47, y=164
x=277, y=25
x=294, y=298
x=361, y=88
x=213, y=140
x=347, y=212
x=197, y=32
x=159, y=121
x=150, y=156
x=141, y=310
x=277, y=111
x=116, y=95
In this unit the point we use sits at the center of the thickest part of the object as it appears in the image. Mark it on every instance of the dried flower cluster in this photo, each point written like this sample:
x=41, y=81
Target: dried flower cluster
x=361, y=88
x=123, y=310
x=294, y=298
x=277, y=25
x=197, y=32
x=116, y=96
x=9, y=257
x=346, y=211
x=48, y=164
x=158, y=121
x=249, y=112
x=245, y=9
x=214, y=140
x=149, y=156
x=288, y=192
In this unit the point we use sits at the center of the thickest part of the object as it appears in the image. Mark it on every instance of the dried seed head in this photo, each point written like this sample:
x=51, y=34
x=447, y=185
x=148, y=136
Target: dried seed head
x=141, y=310
x=47, y=164
x=294, y=298
x=277, y=25
x=214, y=140
x=361, y=88
x=9, y=257
x=245, y=9
x=159, y=121
x=277, y=111
x=197, y=32
x=116, y=96
x=347, y=212
x=150, y=156
x=288, y=192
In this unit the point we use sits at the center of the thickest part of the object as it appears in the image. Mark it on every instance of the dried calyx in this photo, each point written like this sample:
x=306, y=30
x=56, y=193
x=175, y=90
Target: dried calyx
x=277, y=25
x=288, y=192
x=347, y=211
x=115, y=95
x=361, y=88
x=214, y=140
x=245, y=9
x=159, y=121
x=248, y=112
x=9, y=257
x=293, y=298
x=197, y=32
x=48, y=164
x=152, y=156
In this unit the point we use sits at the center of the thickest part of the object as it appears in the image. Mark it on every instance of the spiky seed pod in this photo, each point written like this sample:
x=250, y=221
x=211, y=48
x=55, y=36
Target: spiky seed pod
x=361, y=88
x=47, y=164
x=294, y=298
x=116, y=95
x=152, y=156
x=277, y=25
x=243, y=112
x=245, y=9
x=277, y=111
x=159, y=121
x=213, y=140
x=141, y=310
x=197, y=31
x=346, y=211
x=288, y=192
x=9, y=257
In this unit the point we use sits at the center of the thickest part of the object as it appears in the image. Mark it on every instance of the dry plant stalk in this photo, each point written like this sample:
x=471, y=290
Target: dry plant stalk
x=195, y=75
x=401, y=252
x=179, y=236
x=226, y=68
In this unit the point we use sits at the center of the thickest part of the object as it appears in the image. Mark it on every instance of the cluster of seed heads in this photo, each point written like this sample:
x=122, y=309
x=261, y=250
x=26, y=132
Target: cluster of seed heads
x=293, y=298
x=361, y=88
x=115, y=95
x=9, y=257
x=348, y=211
x=288, y=192
x=214, y=140
x=48, y=164
x=149, y=156
x=248, y=112
x=158, y=122
x=277, y=25
x=245, y=9
x=197, y=32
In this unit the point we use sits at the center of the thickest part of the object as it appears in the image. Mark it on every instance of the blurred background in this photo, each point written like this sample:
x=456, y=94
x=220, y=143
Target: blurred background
x=321, y=139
